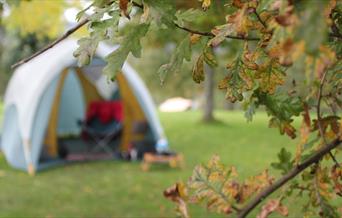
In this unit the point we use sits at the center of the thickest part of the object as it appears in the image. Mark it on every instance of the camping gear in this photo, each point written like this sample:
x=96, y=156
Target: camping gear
x=102, y=125
x=177, y=104
x=171, y=158
x=47, y=96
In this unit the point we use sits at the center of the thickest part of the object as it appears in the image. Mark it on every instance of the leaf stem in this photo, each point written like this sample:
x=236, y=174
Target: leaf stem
x=259, y=18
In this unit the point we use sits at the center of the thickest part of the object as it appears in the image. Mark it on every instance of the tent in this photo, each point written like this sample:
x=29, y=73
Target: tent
x=47, y=96
x=177, y=104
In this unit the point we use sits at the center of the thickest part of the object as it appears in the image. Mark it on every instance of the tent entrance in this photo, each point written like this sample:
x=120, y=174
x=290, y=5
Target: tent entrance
x=64, y=135
x=75, y=93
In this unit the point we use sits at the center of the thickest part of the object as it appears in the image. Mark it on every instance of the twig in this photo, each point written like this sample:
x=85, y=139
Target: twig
x=194, y=31
x=319, y=118
x=52, y=44
x=259, y=18
x=209, y=34
x=136, y=4
x=291, y=174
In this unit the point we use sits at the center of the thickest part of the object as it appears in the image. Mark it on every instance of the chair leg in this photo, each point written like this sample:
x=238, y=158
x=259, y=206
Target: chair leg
x=145, y=166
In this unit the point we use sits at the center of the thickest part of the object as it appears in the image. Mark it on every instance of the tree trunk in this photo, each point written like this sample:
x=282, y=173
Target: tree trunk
x=228, y=105
x=208, y=106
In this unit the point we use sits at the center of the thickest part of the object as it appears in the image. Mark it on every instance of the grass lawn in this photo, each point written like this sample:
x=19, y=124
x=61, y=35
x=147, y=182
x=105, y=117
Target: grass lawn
x=121, y=189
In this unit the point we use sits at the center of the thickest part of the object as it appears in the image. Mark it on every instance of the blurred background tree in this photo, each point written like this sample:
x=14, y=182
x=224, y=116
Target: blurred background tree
x=21, y=34
x=158, y=46
x=25, y=28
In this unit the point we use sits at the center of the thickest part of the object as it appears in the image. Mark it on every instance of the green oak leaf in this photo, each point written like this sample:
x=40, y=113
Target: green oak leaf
x=182, y=51
x=189, y=15
x=285, y=164
x=130, y=44
x=162, y=12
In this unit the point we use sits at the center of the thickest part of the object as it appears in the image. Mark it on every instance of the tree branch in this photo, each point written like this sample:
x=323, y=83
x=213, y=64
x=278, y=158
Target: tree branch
x=291, y=174
x=82, y=23
x=52, y=44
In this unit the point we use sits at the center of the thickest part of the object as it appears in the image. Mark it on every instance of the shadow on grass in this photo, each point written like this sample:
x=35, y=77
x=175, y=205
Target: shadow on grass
x=78, y=164
x=162, y=168
x=214, y=122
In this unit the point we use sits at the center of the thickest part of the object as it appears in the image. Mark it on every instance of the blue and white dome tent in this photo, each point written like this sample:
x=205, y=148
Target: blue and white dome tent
x=48, y=95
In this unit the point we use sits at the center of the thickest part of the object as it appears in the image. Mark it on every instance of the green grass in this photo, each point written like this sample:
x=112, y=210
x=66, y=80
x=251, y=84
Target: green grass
x=121, y=189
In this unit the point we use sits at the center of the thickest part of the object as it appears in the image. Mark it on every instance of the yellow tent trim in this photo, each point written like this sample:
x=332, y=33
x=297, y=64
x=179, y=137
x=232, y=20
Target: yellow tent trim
x=51, y=134
x=90, y=92
x=132, y=112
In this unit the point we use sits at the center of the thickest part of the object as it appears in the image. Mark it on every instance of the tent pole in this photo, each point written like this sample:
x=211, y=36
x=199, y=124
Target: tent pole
x=27, y=151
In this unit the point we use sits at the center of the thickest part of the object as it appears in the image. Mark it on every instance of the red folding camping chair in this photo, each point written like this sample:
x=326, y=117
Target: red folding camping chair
x=103, y=124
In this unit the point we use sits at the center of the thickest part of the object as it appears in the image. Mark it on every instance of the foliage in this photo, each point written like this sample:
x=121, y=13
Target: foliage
x=11, y=42
x=29, y=18
x=288, y=61
x=221, y=190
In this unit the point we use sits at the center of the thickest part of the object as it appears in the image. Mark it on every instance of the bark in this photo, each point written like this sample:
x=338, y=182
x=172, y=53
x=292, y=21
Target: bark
x=208, y=106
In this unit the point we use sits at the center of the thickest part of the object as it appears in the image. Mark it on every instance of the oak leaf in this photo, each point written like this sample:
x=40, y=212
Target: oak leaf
x=240, y=21
x=273, y=206
x=198, y=70
x=205, y=4
x=178, y=194
x=287, y=18
x=123, y=5
x=304, y=133
x=336, y=176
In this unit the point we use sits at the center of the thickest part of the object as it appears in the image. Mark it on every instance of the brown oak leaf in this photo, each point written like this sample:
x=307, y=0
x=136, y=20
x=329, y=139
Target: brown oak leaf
x=271, y=206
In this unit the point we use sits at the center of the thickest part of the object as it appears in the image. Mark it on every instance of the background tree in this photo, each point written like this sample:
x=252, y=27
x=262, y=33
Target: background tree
x=22, y=34
x=278, y=64
x=159, y=44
